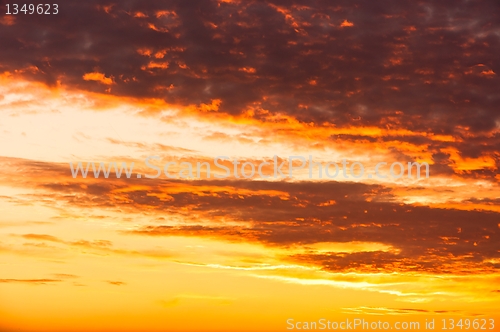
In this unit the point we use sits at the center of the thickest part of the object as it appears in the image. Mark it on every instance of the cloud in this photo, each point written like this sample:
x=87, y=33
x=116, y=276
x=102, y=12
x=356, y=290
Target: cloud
x=423, y=66
x=30, y=281
x=99, y=77
x=158, y=148
x=116, y=283
x=286, y=214
x=393, y=311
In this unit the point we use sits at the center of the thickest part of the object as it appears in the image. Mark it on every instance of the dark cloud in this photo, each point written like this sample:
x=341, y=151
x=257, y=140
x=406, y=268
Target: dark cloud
x=290, y=214
x=423, y=65
x=96, y=246
x=42, y=237
x=383, y=310
x=100, y=244
x=420, y=66
x=159, y=148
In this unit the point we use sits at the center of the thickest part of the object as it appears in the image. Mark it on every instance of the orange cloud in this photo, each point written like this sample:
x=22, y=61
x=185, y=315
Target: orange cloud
x=30, y=281
x=99, y=77
x=116, y=283
x=346, y=23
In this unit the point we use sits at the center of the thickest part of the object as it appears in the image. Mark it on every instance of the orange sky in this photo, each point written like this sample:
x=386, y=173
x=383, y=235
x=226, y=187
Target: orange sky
x=250, y=80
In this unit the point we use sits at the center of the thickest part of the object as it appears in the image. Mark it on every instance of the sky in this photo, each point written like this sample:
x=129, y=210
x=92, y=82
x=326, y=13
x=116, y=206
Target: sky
x=187, y=81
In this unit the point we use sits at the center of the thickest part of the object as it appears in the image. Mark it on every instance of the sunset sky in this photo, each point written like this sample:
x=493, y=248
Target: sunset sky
x=187, y=81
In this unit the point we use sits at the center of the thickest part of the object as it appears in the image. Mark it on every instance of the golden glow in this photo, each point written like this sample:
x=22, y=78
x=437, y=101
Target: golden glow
x=131, y=255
